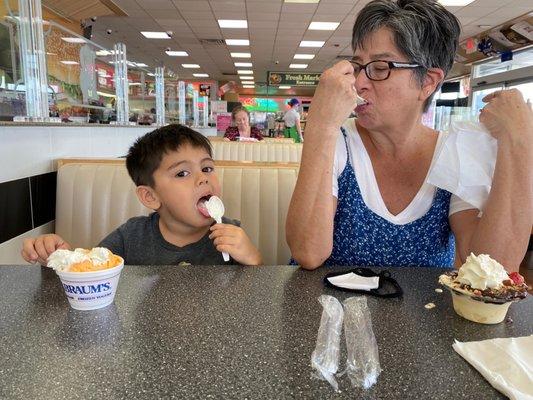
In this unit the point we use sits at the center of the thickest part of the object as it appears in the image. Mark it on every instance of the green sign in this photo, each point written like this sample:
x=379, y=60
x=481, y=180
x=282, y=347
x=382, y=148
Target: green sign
x=293, y=78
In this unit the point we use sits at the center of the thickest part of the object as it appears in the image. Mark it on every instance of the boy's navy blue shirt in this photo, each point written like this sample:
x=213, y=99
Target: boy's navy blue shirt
x=140, y=242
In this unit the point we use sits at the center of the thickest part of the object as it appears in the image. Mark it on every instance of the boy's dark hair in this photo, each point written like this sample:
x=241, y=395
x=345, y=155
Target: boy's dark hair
x=145, y=155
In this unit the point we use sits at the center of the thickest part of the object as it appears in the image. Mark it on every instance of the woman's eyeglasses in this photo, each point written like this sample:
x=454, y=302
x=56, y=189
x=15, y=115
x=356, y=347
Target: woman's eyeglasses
x=379, y=70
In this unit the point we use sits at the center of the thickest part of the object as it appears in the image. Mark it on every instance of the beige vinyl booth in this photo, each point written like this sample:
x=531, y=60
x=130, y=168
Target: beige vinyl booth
x=257, y=151
x=95, y=196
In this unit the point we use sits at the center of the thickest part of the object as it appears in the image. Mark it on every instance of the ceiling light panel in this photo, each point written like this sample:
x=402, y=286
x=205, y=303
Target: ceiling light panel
x=304, y=56
x=241, y=55
x=233, y=23
x=323, y=26
x=312, y=43
x=237, y=42
x=155, y=35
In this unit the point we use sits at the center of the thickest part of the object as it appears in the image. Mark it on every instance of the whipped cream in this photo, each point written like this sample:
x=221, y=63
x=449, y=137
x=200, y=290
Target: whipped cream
x=61, y=260
x=482, y=272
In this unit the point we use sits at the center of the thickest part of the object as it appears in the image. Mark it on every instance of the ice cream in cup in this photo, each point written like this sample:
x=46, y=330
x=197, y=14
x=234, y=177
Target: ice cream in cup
x=89, y=277
x=482, y=290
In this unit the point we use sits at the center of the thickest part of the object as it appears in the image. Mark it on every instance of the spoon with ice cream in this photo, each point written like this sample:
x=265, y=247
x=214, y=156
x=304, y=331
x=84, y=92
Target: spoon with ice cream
x=216, y=210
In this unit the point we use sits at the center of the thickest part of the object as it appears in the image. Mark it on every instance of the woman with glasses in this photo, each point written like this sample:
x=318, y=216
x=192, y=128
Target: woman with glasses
x=361, y=197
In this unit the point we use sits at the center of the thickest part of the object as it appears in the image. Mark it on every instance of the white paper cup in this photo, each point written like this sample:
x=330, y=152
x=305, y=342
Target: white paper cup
x=479, y=311
x=91, y=290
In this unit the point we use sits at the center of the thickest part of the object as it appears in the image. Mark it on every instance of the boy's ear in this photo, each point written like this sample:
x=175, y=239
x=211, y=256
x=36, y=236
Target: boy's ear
x=148, y=197
x=432, y=80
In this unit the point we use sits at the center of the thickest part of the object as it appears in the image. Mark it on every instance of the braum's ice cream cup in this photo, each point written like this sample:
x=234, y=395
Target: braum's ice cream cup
x=479, y=311
x=91, y=290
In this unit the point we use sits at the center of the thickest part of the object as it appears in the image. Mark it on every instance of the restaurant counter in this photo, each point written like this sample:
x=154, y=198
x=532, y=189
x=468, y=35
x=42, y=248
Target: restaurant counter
x=197, y=332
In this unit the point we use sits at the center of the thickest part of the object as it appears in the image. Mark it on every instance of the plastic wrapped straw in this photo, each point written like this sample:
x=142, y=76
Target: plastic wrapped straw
x=362, y=363
x=325, y=357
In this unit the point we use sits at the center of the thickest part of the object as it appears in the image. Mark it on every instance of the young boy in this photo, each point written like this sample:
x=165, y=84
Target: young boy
x=174, y=174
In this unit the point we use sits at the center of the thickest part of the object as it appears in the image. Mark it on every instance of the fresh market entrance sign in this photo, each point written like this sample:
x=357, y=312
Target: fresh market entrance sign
x=293, y=79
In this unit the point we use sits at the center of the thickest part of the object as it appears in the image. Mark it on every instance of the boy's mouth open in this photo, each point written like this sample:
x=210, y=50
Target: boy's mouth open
x=200, y=205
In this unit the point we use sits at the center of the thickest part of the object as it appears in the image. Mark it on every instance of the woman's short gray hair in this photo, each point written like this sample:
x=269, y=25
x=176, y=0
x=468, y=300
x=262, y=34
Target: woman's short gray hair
x=423, y=30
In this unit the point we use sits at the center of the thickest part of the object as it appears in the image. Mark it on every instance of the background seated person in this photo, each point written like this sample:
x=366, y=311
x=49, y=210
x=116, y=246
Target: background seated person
x=241, y=129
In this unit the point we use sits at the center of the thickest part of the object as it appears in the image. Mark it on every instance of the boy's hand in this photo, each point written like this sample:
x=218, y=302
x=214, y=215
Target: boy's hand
x=38, y=249
x=233, y=240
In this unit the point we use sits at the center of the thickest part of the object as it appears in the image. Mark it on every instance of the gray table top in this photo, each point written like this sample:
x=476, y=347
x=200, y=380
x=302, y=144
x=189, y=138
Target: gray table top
x=227, y=332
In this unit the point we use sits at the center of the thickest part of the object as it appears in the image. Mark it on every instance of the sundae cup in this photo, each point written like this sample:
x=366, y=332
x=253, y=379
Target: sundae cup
x=482, y=290
x=89, y=277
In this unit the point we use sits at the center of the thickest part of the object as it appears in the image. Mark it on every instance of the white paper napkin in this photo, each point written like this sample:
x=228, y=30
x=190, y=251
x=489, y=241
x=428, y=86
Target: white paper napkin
x=506, y=363
x=465, y=163
x=354, y=281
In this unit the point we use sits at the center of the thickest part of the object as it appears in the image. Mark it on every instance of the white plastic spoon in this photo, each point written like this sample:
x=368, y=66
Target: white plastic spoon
x=216, y=210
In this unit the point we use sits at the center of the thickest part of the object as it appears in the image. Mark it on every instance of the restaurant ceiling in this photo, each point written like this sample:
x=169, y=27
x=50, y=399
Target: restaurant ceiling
x=275, y=30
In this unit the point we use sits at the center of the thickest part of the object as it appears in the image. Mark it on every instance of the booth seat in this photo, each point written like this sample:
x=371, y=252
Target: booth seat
x=257, y=151
x=95, y=196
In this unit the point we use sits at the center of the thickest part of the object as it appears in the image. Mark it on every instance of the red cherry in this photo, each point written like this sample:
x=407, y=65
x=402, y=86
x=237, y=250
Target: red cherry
x=516, y=278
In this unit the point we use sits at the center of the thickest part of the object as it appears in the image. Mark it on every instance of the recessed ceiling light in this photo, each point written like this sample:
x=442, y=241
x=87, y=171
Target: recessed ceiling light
x=73, y=40
x=173, y=53
x=155, y=35
x=312, y=43
x=201, y=75
x=140, y=64
x=233, y=23
x=248, y=86
x=245, y=71
x=455, y=3
x=304, y=56
x=237, y=42
x=323, y=26
x=302, y=1
x=295, y=66
x=246, y=78
x=150, y=74
x=284, y=87
x=69, y=62
x=241, y=55
x=190, y=65
x=243, y=64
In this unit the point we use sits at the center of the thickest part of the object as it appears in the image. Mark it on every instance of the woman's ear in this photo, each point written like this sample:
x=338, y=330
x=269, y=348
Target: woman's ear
x=148, y=197
x=432, y=80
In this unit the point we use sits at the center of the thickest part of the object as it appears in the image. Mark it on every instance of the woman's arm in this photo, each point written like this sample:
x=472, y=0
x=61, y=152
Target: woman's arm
x=312, y=209
x=503, y=230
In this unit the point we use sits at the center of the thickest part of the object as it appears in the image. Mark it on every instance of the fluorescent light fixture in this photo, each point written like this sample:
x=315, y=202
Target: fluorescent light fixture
x=201, y=75
x=73, y=40
x=302, y=1
x=284, y=87
x=237, y=42
x=312, y=43
x=140, y=64
x=296, y=66
x=190, y=65
x=304, y=56
x=245, y=71
x=173, y=53
x=103, y=53
x=323, y=26
x=241, y=55
x=248, y=86
x=455, y=3
x=246, y=77
x=69, y=62
x=233, y=23
x=243, y=64
x=155, y=35
x=150, y=74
